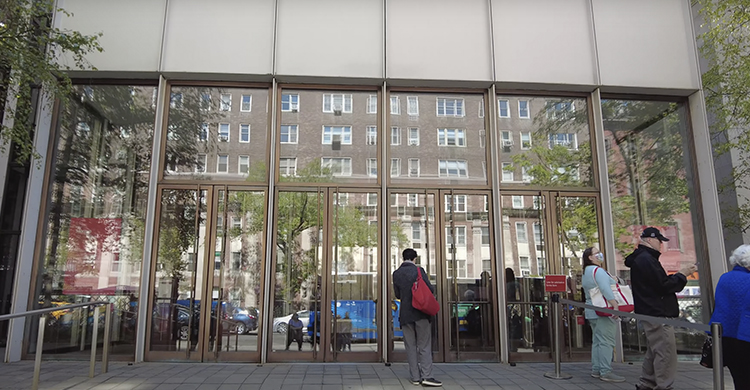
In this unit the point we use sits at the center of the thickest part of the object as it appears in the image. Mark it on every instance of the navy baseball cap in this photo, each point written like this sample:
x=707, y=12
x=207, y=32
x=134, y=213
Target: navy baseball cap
x=653, y=232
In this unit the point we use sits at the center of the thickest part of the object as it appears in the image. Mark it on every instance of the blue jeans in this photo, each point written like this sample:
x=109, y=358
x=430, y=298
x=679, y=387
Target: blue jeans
x=602, y=344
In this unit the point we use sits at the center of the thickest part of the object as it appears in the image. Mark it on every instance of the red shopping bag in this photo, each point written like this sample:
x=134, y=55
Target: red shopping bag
x=421, y=296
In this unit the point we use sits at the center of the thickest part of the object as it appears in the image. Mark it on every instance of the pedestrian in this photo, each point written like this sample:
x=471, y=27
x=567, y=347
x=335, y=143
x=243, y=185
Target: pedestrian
x=414, y=323
x=732, y=310
x=654, y=295
x=294, y=332
x=603, y=328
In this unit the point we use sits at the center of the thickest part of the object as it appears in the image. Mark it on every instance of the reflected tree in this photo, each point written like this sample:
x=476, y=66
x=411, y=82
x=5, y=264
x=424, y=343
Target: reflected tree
x=647, y=167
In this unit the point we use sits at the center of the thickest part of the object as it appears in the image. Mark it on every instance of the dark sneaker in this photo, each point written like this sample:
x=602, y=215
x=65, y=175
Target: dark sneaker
x=431, y=382
x=610, y=377
x=595, y=375
x=415, y=383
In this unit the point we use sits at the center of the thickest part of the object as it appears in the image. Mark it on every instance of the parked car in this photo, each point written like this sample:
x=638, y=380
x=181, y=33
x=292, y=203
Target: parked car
x=246, y=319
x=280, y=324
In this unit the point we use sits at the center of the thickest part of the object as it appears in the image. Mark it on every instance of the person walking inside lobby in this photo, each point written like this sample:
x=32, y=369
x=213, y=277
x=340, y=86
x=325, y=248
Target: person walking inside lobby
x=414, y=323
x=654, y=295
x=732, y=310
x=604, y=329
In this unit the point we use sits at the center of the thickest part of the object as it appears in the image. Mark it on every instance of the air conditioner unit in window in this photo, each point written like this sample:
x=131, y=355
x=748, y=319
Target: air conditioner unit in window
x=413, y=143
x=507, y=143
x=294, y=110
x=337, y=112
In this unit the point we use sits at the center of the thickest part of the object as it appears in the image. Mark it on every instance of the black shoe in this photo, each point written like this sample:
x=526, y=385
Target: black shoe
x=432, y=382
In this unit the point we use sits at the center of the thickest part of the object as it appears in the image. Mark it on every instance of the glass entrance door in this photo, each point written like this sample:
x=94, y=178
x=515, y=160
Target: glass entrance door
x=546, y=233
x=207, y=274
x=234, y=278
x=326, y=279
x=470, y=296
x=454, y=247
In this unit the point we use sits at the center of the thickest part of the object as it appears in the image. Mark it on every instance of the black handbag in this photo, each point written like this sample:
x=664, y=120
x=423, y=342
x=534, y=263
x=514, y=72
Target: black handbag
x=707, y=353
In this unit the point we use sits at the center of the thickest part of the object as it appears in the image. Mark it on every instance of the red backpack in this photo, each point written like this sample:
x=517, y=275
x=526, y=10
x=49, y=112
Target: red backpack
x=421, y=296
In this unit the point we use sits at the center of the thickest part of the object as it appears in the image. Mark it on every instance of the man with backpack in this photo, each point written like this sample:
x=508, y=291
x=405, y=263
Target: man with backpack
x=414, y=323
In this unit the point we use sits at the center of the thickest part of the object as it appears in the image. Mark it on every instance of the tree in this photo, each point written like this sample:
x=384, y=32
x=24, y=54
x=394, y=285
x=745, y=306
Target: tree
x=559, y=154
x=725, y=45
x=646, y=165
x=30, y=58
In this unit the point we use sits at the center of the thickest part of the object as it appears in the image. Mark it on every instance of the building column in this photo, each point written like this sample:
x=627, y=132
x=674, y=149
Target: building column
x=146, y=290
x=494, y=171
x=716, y=263
x=608, y=235
x=23, y=283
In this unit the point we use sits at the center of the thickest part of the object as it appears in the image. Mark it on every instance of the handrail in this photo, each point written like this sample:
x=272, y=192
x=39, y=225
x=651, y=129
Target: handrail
x=715, y=328
x=50, y=310
x=94, y=335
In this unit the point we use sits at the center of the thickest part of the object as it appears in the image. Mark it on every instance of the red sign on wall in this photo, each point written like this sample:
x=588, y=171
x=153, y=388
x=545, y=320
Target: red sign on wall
x=554, y=283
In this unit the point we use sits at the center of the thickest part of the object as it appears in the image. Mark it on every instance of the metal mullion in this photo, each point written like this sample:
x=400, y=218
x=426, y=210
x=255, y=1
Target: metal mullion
x=540, y=93
x=439, y=90
x=329, y=87
x=317, y=306
x=454, y=261
x=222, y=265
x=152, y=272
x=325, y=268
x=384, y=237
x=209, y=246
x=335, y=209
x=226, y=84
x=196, y=245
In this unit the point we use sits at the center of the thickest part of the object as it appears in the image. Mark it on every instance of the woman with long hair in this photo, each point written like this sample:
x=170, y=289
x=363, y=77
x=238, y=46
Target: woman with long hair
x=604, y=329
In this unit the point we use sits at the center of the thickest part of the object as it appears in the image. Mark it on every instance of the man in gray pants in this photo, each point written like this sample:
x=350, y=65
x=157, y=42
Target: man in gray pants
x=654, y=295
x=414, y=323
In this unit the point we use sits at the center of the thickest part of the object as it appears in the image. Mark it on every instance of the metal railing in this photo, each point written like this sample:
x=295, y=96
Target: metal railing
x=94, y=334
x=715, y=329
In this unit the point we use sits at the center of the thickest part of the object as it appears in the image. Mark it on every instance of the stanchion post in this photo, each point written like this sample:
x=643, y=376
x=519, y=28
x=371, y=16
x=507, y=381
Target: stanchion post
x=107, y=336
x=718, y=359
x=558, y=348
x=39, y=349
x=94, y=337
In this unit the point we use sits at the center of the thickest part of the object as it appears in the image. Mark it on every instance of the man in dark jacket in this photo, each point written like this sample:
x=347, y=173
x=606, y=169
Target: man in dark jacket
x=654, y=295
x=414, y=323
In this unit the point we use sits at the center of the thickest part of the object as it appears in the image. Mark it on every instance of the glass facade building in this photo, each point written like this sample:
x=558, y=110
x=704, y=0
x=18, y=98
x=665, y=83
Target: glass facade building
x=213, y=183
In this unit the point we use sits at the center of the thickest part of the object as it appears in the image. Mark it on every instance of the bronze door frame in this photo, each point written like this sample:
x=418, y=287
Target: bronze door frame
x=442, y=254
x=550, y=219
x=323, y=351
x=208, y=205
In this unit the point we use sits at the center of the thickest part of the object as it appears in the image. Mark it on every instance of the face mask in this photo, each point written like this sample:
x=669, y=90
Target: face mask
x=599, y=256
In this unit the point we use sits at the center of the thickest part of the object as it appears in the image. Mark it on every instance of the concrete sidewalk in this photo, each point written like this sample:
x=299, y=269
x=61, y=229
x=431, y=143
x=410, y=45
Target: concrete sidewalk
x=330, y=376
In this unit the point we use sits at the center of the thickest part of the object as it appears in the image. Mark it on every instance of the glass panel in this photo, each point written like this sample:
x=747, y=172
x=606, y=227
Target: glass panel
x=442, y=138
x=524, y=250
x=651, y=184
x=208, y=132
x=178, y=276
x=328, y=136
x=298, y=284
x=239, y=248
x=95, y=227
x=468, y=266
x=412, y=227
x=545, y=141
x=577, y=229
x=354, y=274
